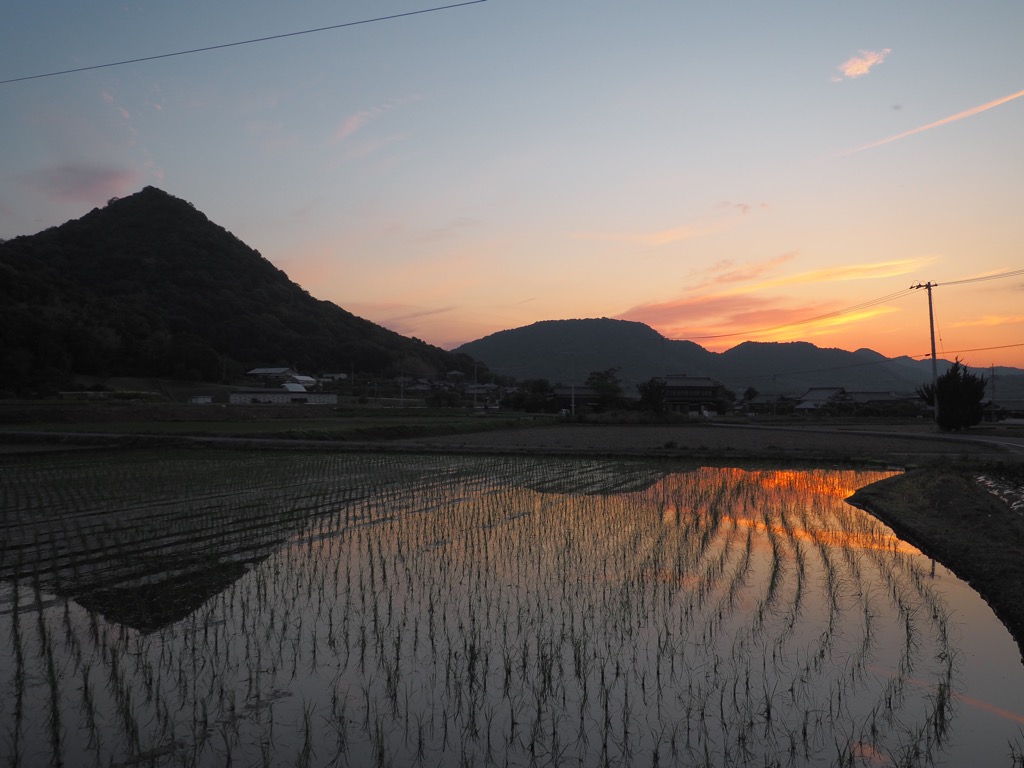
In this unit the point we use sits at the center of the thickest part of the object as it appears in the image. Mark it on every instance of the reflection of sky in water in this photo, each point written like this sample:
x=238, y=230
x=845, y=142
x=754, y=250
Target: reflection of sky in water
x=438, y=609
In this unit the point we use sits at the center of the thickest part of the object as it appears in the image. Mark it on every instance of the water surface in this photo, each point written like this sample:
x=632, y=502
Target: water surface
x=188, y=609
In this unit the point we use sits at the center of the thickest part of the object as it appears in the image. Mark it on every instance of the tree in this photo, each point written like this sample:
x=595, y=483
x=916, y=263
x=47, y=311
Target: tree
x=960, y=393
x=608, y=387
x=532, y=396
x=652, y=395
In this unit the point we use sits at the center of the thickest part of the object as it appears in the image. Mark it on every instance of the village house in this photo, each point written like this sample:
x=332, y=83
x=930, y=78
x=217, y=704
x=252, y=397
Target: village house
x=286, y=394
x=821, y=398
x=684, y=394
x=282, y=386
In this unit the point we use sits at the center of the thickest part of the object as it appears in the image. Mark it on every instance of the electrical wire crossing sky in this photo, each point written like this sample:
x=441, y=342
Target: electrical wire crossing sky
x=721, y=173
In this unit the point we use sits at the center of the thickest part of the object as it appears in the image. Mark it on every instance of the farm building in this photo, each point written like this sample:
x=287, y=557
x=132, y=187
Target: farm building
x=691, y=393
x=286, y=394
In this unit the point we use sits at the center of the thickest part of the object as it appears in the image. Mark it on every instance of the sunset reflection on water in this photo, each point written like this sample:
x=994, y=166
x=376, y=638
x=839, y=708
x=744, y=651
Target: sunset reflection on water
x=499, y=610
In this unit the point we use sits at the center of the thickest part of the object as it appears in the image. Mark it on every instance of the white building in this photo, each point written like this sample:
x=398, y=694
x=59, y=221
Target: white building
x=284, y=395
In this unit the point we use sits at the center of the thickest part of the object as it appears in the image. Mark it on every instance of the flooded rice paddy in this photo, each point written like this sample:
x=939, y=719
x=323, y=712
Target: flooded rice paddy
x=210, y=609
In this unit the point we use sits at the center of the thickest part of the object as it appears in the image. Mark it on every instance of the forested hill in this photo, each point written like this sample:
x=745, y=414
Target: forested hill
x=149, y=286
x=568, y=350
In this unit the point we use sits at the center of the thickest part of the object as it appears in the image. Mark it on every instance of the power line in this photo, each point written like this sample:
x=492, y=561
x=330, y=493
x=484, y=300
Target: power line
x=816, y=318
x=857, y=307
x=1000, y=276
x=884, y=361
x=241, y=42
x=975, y=349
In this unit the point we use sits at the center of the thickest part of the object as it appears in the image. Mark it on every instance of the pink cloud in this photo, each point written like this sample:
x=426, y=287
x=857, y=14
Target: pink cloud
x=858, y=66
x=354, y=123
x=706, y=314
x=724, y=319
x=400, y=318
x=79, y=183
x=725, y=272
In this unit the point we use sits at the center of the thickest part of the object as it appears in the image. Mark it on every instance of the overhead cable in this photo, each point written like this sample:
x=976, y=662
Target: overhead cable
x=858, y=307
x=816, y=318
x=241, y=42
x=982, y=278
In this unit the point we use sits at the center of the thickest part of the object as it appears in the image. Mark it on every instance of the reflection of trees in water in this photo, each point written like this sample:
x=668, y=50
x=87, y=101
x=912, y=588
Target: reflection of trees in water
x=439, y=610
x=147, y=539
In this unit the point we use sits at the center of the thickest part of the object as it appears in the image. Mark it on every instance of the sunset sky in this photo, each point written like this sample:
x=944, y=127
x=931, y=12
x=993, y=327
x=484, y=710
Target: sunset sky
x=715, y=170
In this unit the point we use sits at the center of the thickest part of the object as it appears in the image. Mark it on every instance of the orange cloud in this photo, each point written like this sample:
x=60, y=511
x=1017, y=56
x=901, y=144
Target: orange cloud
x=944, y=121
x=715, y=315
x=989, y=321
x=733, y=310
x=858, y=66
x=877, y=270
x=771, y=324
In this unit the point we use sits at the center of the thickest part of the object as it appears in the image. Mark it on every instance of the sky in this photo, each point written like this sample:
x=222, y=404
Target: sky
x=722, y=172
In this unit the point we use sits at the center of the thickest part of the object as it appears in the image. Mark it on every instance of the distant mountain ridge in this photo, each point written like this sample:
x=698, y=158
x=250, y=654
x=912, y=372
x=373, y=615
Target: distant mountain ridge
x=150, y=286
x=566, y=351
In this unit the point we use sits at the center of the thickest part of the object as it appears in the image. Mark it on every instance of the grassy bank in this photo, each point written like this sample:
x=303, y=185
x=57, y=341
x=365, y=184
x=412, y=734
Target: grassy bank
x=946, y=514
x=321, y=423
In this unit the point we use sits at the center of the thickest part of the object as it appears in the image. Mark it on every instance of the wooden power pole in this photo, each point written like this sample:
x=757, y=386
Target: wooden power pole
x=931, y=327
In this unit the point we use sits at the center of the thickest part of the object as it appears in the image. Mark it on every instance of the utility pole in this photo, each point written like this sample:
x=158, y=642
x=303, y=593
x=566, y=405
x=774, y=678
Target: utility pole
x=572, y=357
x=572, y=382
x=995, y=420
x=931, y=327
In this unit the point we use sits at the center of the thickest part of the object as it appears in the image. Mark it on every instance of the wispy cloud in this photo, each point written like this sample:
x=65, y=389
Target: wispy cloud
x=660, y=237
x=870, y=271
x=80, y=183
x=725, y=320
x=728, y=272
x=861, y=64
x=352, y=124
x=700, y=311
x=271, y=136
x=733, y=280
x=736, y=310
x=449, y=231
x=702, y=227
x=944, y=121
x=989, y=321
x=405, y=319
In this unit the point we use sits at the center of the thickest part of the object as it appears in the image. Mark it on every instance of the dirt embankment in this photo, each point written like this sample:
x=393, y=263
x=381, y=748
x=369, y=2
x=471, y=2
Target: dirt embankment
x=895, y=447
x=948, y=516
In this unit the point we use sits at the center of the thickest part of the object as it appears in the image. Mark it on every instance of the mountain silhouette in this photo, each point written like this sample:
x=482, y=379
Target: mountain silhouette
x=566, y=351
x=149, y=286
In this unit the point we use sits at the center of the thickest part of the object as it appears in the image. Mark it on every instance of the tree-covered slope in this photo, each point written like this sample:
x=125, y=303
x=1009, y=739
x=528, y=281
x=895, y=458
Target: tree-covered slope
x=150, y=286
x=568, y=350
